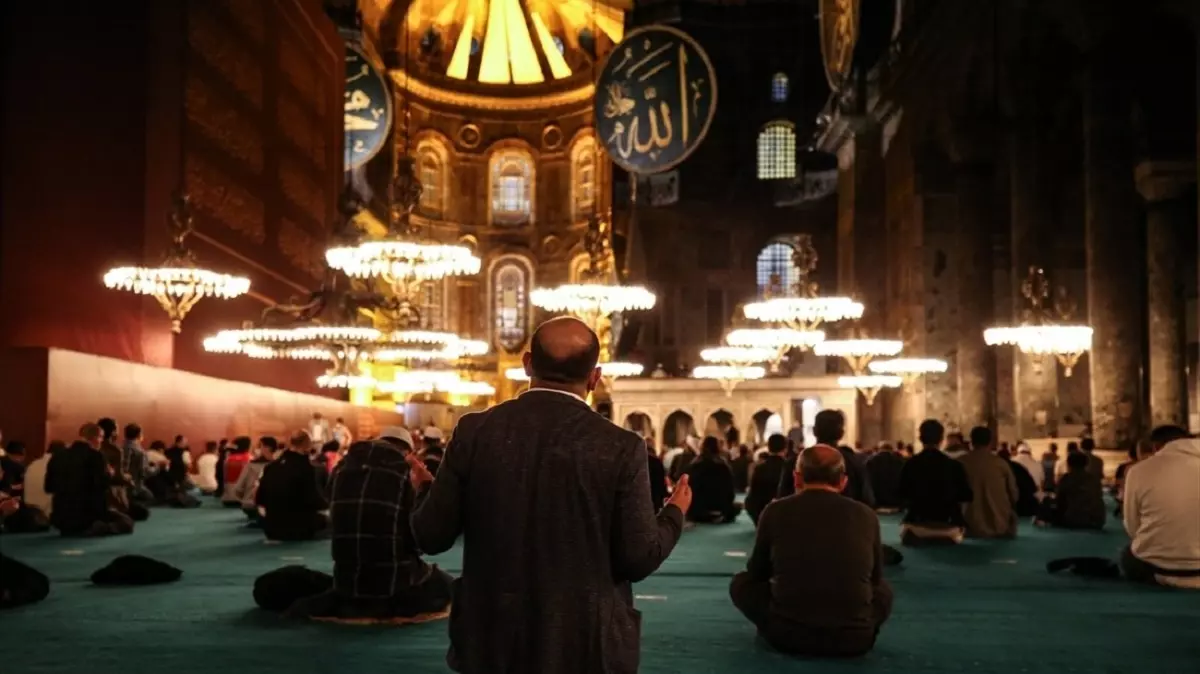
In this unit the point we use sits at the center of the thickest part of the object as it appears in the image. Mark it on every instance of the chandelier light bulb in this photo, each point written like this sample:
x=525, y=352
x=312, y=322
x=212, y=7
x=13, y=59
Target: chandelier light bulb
x=807, y=311
x=177, y=289
x=908, y=366
x=400, y=259
x=615, y=369
x=737, y=355
x=729, y=372
x=516, y=374
x=593, y=298
x=869, y=385
x=774, y=338
x=859, y=347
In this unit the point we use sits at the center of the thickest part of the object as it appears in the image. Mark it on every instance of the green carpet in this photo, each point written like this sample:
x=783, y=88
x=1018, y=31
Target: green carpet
x=980, y=607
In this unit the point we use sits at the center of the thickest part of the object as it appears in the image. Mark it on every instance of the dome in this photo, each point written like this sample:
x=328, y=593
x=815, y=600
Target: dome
x=506, y=43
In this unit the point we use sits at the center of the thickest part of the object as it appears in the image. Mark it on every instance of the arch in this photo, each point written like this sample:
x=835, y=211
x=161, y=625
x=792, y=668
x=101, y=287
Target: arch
x=777, y=151
x=578, y=267
x=719, y=423
x=584, y=168
x=512, y=178
x=758, y=423
x=775, y=269
x=510, y=278
x=676, y=428
x=639, y=422
x=432, y=165
x=779, y=87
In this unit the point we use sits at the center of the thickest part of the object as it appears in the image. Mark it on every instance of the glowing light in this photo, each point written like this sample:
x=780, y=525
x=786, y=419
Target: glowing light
x=1067, y=343
x=859, y=347
x=434, y=381
x=908, y=366
x=869, y=385
x=516, y=374
x=593, y=298
x=615, y=369
x=177, y=289
x=806, y=311
x=738, y=372
x=399, y=259
x=775, y=338
x=737, y=355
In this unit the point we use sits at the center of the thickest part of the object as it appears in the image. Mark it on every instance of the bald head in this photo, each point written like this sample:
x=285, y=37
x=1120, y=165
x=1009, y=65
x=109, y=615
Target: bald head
x=563, y=350
x=821, y=465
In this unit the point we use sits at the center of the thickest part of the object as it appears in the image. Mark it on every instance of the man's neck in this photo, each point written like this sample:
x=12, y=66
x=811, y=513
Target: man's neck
x=933, y=448
x=577, y=390
x=820, y=487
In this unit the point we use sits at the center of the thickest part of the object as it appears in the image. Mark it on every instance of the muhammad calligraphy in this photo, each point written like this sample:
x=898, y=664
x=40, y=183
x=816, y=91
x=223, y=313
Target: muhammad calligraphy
x=655, y=99
x=367, y=110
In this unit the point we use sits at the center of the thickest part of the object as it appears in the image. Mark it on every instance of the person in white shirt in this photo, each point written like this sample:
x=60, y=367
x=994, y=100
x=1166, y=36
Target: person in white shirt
x=206, y=469
x=1024, y=458
x=341, y=433
x=1162, y=513
x=318, y=430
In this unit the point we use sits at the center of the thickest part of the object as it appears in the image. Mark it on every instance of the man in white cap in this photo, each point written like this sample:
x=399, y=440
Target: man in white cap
x=378, y=573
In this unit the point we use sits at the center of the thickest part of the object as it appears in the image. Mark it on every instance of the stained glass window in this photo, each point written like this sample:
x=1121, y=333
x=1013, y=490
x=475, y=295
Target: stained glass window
x=510, y=305
x=777, y=151
x=583, y=177
x=779, y=88
x=430, y=172
x=512, y=186
x=776, y=272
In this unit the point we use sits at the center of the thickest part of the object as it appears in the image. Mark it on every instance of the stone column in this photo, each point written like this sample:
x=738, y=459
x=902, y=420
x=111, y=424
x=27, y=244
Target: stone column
x=870, y=257
x=975, y=364
x=1035, y=380
x=1115, y=257
x=1164, y=186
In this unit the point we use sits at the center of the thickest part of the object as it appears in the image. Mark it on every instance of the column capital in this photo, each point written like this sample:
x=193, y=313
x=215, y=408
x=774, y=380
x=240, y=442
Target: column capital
x=1164, y=180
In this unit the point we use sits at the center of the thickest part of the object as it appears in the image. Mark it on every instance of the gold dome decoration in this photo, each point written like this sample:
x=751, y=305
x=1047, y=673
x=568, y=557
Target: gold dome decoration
x=507, y=42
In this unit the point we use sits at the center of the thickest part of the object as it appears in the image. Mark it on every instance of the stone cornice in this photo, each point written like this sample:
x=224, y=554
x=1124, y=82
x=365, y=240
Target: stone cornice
x=1164, y=180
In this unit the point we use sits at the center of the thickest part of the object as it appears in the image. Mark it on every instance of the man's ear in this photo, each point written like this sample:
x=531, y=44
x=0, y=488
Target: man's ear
x=527, y=361
x=593, y=379
x=843, y=482
x=797, y=480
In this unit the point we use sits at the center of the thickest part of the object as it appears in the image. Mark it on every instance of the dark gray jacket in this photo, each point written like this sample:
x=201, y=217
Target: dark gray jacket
x=553, y=504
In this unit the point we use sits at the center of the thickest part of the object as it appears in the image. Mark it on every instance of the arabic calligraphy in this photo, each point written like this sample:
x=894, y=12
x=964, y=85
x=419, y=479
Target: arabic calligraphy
x=367, y=111
x=655, y=99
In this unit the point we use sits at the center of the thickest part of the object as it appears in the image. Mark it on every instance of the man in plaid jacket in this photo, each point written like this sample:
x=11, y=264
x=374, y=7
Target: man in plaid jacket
x=377, y=569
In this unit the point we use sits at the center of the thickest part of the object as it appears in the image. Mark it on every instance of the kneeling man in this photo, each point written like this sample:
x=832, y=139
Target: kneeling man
x=814, y=582
x=378, y=573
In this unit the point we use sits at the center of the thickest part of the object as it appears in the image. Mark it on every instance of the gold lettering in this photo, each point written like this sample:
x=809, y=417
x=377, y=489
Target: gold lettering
x=683, y=106
x=629, y=140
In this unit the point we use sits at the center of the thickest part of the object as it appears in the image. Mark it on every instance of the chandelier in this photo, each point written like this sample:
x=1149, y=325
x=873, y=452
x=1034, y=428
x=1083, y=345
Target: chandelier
x=869, y=385
x=608, y=370
x=434, y=381
x=908, y=369
x=800, y=307
x=1044, y=330
x=737, y=355
x=401, y=259
x=858, y=352
x=178, y=284
x=729, y=376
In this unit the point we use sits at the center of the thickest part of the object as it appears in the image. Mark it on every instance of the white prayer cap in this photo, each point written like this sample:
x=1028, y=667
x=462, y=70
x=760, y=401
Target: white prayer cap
x=432, y=433
x=397, y=433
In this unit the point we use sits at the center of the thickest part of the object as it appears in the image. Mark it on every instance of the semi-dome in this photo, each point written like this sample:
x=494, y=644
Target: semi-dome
x=503, y=43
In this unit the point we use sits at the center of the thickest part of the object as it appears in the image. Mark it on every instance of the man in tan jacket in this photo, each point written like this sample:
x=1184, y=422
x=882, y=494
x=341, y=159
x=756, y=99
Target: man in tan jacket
x=990, y=514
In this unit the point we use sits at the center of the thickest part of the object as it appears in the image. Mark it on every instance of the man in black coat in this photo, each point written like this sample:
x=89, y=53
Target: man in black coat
x=767, y=476
x=829, y=426
x=553, y=502
x=80, y=480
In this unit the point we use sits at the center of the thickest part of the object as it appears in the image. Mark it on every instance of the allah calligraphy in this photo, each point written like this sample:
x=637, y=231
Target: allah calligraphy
x=367, y=110
x=839, y=38
x=655, y=99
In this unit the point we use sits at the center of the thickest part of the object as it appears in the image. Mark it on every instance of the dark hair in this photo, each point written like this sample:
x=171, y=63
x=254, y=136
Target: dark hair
x=15, y=447
x=1072, y=447
x=269, y=442
x=931, y=432
x=710, y=447
x=210, y=446
x=829, y=426
x=733, y=436
x=331, y=446
x=981, y=437
x=1077, y=460
x=133, y=432
x=55, y=446
x=1161, y=435
x=814, y=471
x=340, y=420
x=777, y=443
x=178, y=439
x=242, y=442
x=108, y=428
x=1087, y=444
x=158, y=444
x=573, y=369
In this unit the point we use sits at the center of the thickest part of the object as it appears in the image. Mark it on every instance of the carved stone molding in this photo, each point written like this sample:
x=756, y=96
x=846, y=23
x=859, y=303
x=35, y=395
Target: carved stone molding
x=1164, y=180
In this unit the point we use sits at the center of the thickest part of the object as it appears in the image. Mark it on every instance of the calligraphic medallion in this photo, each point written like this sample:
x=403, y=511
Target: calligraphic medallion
x=839, y=37
x=368, y=109
x=655, y=99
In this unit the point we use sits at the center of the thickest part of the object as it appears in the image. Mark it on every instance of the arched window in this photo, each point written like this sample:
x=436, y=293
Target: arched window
x=579, y=268
x=512, y=187
x=432, y=304
x=779, y=88
x=583, y=178
x=775, y=271
x=510, y=282
x=777, y=151
x=432, y=160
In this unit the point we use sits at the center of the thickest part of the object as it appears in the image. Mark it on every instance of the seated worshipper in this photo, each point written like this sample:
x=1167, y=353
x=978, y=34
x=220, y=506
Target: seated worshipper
x=658, y=477
x=237, y=457
x=829, y=426
x=956, y=447
x=18, y=518
x=378, y=573
x=433, y=452
x=989, y=514
x=883, y=469
x=156, y=456
x=246, y=488
x=1028, y=498
x=740, y=465
x=136, y=467
x=119, y=479
x=1049, y=466
x=1033, y=467
x=764, y=481
x=206, y=470
x=1162, y=513
x=222, y=452
x=684, y=458
x=713, y=495
x=934, y=488
x=35, y=481
x=289, y=496
x=79, y=479
x=814, y=582
x=1078, y=501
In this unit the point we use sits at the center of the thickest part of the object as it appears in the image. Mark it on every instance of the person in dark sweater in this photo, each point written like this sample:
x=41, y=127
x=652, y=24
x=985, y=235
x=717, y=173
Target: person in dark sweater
x=764, y=482
x=1027, y=504
x=814, y=582
x=80, y=480
x=740, y=465
x=934, y=488
x=829, y=426
x=1078, y=502
x=658, y=477
x=713, y=495
x=289, y=497
x=883, y=469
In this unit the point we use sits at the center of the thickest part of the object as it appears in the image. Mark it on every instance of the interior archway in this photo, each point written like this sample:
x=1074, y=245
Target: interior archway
x=676, y=428
x=640, y=423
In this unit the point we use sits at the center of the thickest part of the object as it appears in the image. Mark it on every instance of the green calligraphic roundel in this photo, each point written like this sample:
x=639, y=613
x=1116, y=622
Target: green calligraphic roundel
x=368, y=109
x=655, y=99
